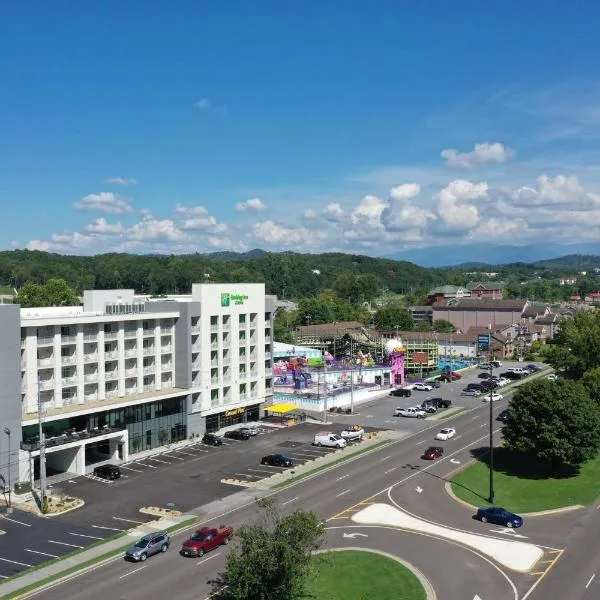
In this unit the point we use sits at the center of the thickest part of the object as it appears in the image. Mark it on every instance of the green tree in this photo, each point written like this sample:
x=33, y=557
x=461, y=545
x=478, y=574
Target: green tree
x=271, y=559
x=576, y=346
x=443, y=326
x=282, y=331
x=55, y=292
x=423, y=326
x=591, y=382
x=555, y=421
x=387, y=318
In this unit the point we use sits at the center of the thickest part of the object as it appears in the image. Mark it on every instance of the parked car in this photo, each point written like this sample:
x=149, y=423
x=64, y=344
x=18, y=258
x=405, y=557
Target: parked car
x=151, y=543
x=110, y=472
x=440, y=402
x=502, y=416
x=428, y=406
x=206, y=539
x=353, y=433
x=512, y=375
x=237, y=434
x=401, y=392
x=250, y=430
x=211, y=439
x=277, y=460
x=414, y=412
x=446, y=434
x=329, y=440
x=435, y=384
x=496, y=363
x=449, y=377
x=484, y=375
x=470, y=392
x=493, y=397
x=533, y=368
x=485, y=365
x=474, y=386
x=422, y=387
x=499, y=516
x=552, y=377
x=489, y=385
x=433, y=452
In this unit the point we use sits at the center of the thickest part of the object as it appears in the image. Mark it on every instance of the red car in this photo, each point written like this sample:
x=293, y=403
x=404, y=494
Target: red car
x=433, y=452
x=206, y=539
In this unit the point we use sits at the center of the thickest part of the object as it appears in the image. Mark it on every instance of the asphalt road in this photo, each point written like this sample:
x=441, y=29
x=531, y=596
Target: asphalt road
x=334, y=496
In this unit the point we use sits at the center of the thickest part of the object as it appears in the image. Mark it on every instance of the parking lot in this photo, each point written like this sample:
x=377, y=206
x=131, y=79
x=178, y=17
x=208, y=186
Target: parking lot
x=30, y=540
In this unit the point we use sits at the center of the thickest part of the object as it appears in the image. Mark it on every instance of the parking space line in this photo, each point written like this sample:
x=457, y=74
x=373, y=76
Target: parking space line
x=247, y=475
x=92, y=537
x=132, y=572
x=14, y=562
x=42, y=553
x=128, y=520
x=390, y=470
x=260, y=471
x=186, y=453
x=15, y=521
x=209, y=558
x=109, y=528
x=145, y=465
x=171, y=455
x=65, y=544
x=164, y=462
x=130, y=469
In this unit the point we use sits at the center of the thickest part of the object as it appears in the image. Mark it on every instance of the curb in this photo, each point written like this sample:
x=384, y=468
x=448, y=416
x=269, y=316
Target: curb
x=427, y=585
x=64, y=512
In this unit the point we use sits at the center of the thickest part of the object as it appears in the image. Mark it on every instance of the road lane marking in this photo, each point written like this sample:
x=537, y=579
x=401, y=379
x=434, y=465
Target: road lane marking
x=343, y=477
x=289, y=501
x=14, y=562
x=385, y=458
x=42, y=553
x=130, y=469
x=342, y=493
x=390, y=470
x=587, y=585
x=421, y=442
x=92, y=537
x=128, y=520
x=209, y=558
x=65, y=544
x=15, y=521
x=132, y=572
x=477, y=417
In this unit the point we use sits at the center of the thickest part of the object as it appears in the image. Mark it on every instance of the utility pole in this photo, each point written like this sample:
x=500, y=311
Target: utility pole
x=351, y=377
x=9, y=506
x=42, y=452
x=491, y=498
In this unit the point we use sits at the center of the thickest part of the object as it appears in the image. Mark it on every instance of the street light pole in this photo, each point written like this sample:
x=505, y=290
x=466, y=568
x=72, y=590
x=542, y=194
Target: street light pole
x=9, y=507
x=351, y=377
x=491, y=498
x=42, y=452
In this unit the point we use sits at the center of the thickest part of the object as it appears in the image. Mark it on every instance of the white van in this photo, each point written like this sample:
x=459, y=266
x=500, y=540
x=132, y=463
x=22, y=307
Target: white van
x=329, y=439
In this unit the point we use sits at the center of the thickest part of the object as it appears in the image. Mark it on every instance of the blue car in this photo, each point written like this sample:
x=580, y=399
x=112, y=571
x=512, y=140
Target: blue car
x=499, y=516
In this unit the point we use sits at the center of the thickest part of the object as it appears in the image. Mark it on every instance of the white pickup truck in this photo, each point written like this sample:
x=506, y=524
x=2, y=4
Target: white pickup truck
x=414, y=412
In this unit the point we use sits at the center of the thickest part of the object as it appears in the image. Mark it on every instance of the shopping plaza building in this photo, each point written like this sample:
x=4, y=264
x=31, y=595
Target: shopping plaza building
x=124, y=374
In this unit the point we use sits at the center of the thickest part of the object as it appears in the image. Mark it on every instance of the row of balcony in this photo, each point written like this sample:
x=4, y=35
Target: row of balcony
x=94, y=357
x=44, y=340
x=71, y=435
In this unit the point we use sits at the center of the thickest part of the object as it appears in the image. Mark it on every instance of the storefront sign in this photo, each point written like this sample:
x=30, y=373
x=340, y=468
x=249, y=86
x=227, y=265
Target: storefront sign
x=420, y=358
x=227, y=299
x=234, y=411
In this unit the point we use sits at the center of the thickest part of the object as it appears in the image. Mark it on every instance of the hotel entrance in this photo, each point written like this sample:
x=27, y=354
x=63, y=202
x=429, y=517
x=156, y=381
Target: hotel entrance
x=233, y=416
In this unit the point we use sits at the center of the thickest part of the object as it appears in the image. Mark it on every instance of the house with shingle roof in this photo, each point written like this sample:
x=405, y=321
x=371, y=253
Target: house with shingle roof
x=445, y=292
x=487, y=289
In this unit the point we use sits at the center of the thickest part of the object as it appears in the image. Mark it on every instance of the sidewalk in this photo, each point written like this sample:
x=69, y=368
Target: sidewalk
x=95, y=555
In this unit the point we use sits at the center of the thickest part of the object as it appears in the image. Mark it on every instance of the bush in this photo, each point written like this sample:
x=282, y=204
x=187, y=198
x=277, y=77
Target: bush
x=22, y=487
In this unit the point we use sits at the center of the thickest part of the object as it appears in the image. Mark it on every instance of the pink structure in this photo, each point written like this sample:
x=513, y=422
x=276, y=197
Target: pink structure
x=395, y=351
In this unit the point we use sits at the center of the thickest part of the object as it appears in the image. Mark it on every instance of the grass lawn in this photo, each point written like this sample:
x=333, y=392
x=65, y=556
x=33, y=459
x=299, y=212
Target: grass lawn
x=519, y=486
x=357, y=575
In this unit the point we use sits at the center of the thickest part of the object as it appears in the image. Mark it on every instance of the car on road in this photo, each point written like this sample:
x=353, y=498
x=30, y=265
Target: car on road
x=210, y=439
x=205, y=539
x=237, y=434
x=512, y=375
x=470, y=392
x=552, y=377
x=503, y=416
x=433, y=452
x=533, y=368
x=151, y=543
x=428, y=406
x=435, y=384
x=277, y=460
x=422, y=387
x=415, y=412
x=492, y=397
x=499, y=516
x=353, y=433
x=401, y=392
x=110, y=472
x=446, y=434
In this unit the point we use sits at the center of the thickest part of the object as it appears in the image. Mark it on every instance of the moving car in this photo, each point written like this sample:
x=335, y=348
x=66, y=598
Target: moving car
x=533, y=368
x=449, y=377
x=353, y=433
x=493, y=397
x=499, y=516
x=277, y=460
x=210, y=439
x=475, y=386
x=151, y=543
x=433, y=452
x=237, y=434
x=329, y=440
x=206, y=539
x=440, y=402
x=485, y=365
x=414, y=412
x=446, y=434
x=110, y=472
x=401, y=392
x=422, y=387
x=502, y=416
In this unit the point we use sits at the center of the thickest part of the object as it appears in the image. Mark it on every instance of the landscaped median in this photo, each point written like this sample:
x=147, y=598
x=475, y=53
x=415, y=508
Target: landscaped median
x=519, y=485
x=54, y=571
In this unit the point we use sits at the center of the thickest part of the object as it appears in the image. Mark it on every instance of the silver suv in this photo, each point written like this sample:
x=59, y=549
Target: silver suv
x=152, y=543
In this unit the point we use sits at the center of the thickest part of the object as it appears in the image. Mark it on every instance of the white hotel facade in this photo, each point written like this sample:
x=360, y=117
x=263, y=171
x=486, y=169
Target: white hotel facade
x=124, y=374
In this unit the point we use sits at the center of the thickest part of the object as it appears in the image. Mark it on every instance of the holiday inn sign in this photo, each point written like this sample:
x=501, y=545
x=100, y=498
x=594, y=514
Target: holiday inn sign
x=228, y=299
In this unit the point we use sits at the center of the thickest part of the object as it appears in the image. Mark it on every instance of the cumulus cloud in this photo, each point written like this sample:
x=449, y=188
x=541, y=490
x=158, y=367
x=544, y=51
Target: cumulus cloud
x=101, y=225
x=498, y=229
x=197, y=218
x=556, y=191
x=368, y=212
x=120, y=181
x=309, y=214
x=482, y=154
x=286, y=236
x=252, y=205
x=334, y=212
x=402, y=215
x=107, y=202
x=150, y=229
x=455, y=213
x=405, y=191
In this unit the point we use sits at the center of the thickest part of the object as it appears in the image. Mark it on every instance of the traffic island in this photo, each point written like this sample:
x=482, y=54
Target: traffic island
x=358, y=573
x=521, y=485
x=58, y=504
x=157, y=511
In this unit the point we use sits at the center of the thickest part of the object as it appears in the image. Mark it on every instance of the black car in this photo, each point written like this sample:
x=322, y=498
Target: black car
x=210, y=439
x=484, y=375
x=110, y=472
x=489, y=385
x=402, y=392
x=277, y=460
x=502, y=416
x=533, y=368
x=237, y=434
x=439, y=402
x=511, y=375
x=475, y=386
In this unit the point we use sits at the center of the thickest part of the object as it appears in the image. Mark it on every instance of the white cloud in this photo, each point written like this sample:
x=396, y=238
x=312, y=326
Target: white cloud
x=220, y=243
x=101, y=225
x=405, y=191
x=482, y=154
x=454, y=212
x=497, y=229
x=368, y=212
x=197, y=218
x=107, y=202
x=121, y=181
x=309, y=214
x=154, y=230
x=334, y=212
x=41, y=245
x=559, y=190
x=285, y=236
x=252, y=205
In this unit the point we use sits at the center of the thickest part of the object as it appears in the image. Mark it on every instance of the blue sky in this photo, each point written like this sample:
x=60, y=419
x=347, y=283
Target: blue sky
x=362, y=126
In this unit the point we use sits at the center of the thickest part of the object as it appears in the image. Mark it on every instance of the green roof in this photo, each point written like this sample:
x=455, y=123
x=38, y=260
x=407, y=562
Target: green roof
x=445, y=289
x=494, y=285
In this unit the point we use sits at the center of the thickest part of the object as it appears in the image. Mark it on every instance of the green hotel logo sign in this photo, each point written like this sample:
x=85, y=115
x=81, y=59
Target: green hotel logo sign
x=227, y=299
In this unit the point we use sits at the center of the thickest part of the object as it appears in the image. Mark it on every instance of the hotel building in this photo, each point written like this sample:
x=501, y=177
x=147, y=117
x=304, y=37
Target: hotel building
x=124, y=374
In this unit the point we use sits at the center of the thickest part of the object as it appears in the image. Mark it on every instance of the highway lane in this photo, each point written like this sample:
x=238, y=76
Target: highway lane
x=327, y=494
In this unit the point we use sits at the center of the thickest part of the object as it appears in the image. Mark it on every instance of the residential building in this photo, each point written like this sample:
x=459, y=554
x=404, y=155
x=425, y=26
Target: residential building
x=567, y=280
x=446, y=292
x=122, y=374
x=421, y=314
x=486, y=289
